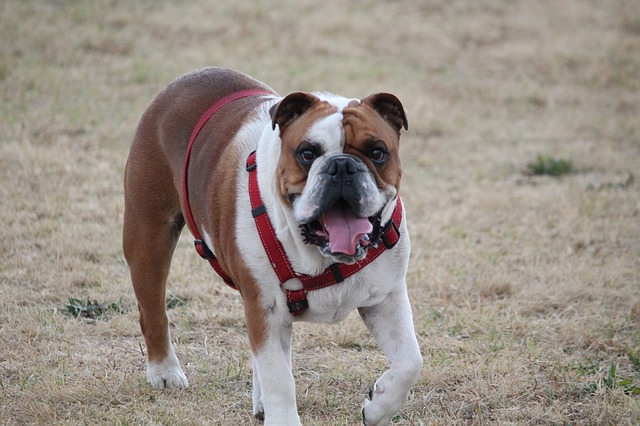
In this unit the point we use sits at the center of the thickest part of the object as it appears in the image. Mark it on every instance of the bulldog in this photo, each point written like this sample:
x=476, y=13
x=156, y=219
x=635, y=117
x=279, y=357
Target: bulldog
x=295, y=202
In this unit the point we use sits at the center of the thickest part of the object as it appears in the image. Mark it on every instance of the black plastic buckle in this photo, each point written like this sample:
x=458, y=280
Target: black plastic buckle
x=337, y=274
x=297, y=301
x=298, y=307
x=389, y=244
x=261, y=209
x=203, y=250
x=252, y=164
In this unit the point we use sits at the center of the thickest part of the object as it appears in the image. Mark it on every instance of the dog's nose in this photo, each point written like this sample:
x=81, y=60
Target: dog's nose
x=342, y=166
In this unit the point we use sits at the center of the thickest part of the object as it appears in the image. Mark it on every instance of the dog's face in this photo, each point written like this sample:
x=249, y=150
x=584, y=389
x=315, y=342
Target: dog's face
x=339, y=167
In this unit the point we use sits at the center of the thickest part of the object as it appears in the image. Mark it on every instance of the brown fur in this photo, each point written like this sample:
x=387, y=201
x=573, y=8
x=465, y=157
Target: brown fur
x=362, y=124
x=291, y=176
x=153, y=217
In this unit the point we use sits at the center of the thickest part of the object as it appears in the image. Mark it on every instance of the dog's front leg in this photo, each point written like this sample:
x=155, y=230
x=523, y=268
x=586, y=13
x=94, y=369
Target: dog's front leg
x=391, y=324
x=274, y=393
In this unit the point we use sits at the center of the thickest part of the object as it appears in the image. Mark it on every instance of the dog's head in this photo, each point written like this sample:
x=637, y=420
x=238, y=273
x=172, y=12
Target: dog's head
x=339, y=167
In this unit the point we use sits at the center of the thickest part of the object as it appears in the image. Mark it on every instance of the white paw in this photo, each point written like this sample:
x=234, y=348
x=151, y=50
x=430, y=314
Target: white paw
x=374, y=413
x=258, y=410
x=166, y=374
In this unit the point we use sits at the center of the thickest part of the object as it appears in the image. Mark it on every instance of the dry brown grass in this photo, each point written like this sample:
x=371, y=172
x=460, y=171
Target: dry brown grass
x=525, y=288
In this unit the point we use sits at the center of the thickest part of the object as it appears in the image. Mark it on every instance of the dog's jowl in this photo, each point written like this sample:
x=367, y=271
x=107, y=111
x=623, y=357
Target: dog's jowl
x=295, y=202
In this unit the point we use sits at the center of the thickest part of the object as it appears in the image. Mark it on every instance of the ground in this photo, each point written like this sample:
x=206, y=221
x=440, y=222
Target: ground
x=525, y=287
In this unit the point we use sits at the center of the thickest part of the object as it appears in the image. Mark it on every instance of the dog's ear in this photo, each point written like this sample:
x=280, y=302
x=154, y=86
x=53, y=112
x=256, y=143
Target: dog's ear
x=390, y=108
x=290, y=108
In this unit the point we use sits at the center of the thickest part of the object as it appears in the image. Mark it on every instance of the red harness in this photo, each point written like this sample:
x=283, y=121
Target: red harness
x=335, y=273
x=201, y=246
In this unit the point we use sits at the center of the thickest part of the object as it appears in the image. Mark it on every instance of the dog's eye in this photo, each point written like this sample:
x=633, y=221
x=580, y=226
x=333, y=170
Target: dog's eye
x=307, y=156
x=378, y=156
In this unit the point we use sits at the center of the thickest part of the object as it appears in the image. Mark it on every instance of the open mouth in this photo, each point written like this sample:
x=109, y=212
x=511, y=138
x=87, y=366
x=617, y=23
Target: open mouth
x=340, y=233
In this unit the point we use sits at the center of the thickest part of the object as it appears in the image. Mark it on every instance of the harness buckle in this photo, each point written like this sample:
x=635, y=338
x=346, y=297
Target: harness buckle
x=258, y=211
x=390, y=239
x=337, y=273
x=203, y=250
x=251, y=162
x=297, y=301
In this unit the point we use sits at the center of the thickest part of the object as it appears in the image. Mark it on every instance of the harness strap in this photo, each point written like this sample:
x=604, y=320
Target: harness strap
x=335, y=273
x=201, y=246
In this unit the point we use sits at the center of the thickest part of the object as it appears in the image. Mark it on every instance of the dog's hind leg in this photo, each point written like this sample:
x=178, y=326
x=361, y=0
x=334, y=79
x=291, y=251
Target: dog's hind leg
x=152, y=225
x=391, y=324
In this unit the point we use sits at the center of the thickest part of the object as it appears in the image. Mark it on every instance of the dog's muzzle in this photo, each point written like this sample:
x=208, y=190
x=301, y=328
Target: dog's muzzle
x=341, y=226
x=344, y=174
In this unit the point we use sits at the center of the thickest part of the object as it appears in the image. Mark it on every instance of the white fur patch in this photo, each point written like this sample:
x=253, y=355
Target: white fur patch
x=167, y=373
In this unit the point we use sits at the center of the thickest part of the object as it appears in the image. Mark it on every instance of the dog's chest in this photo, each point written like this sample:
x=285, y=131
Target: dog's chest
x=334, y=304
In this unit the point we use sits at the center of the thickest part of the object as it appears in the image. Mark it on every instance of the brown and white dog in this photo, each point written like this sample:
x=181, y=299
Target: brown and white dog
x=328, y=174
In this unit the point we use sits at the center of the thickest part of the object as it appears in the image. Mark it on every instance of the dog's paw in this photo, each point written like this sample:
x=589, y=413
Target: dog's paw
x=166, y=374
x=258, y=410
x=374, y=413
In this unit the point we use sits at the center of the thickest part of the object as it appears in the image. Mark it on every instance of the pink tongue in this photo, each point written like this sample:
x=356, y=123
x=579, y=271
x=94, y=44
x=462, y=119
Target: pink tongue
x=345, y=229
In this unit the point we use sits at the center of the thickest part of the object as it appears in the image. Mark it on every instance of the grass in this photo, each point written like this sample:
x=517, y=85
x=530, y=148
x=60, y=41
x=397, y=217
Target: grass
x=525, y=288
x=549, y=166
x=92, y=309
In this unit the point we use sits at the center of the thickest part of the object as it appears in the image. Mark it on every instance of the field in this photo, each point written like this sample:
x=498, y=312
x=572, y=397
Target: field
x=524, y=280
